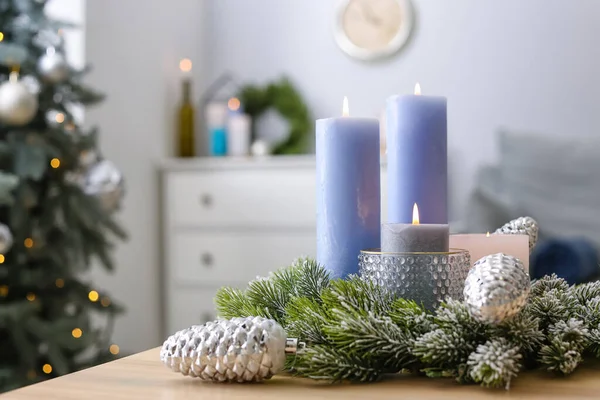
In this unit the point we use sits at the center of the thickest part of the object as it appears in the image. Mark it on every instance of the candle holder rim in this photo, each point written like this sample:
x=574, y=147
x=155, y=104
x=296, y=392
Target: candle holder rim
x=378, y=252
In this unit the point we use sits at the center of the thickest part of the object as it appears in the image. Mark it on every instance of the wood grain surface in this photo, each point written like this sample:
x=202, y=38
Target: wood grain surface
x=142, y=376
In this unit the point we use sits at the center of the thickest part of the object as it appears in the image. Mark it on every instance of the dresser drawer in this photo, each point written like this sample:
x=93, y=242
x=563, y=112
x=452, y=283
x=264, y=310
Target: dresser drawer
x=189, y=307
x=240, y=198
x=224, y=258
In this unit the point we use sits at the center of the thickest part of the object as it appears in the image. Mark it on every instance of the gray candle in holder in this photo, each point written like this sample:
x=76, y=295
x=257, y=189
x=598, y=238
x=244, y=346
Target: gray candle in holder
x=415, y=238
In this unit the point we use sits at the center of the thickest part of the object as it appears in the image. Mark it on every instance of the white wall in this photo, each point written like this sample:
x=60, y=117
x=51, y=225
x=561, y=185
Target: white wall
x=524, y=64
x=135, y=47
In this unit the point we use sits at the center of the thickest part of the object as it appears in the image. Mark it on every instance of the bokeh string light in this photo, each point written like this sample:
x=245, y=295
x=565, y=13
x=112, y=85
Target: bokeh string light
x=114, y=349
x=47, y=368
x=93, y=296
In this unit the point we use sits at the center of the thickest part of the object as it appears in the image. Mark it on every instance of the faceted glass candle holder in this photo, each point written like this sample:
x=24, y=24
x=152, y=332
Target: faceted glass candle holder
x=426, y=278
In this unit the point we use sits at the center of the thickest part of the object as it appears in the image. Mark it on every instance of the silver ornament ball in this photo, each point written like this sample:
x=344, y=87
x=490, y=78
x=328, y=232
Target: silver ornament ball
x=32, y=84
x=6, y=239
x=521, y=226
x=105, y=181
x=53, y=66
x=248, y=349
x=496, y=288
x=260, y=148
x=17, y=104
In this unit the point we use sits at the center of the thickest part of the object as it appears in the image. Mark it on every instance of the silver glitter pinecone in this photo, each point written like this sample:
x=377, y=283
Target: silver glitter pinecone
x=521, y=226
x=496, y=288
x=238, y=350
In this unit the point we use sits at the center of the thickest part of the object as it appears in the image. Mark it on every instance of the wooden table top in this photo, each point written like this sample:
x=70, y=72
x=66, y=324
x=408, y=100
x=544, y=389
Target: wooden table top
x=142, y=376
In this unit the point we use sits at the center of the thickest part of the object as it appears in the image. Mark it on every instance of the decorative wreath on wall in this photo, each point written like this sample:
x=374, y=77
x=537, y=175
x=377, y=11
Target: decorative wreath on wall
x=283, y=97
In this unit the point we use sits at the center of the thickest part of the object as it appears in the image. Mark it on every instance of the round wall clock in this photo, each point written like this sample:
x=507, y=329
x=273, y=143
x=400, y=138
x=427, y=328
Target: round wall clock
x=373, y=29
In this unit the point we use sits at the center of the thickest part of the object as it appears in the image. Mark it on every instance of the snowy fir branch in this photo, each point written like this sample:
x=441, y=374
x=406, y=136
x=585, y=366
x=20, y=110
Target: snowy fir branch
x=355, y=331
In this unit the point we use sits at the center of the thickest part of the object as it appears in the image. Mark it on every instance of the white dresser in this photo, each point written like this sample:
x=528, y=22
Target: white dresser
x=226, y=221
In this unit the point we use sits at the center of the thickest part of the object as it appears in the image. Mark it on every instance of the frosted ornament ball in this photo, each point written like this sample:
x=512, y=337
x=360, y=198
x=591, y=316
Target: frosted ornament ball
x=6, y=239
x=105, y=181
x=249, y=349
x=18, y=105
x=496, y=288
x=260, y=148
x=53, y=66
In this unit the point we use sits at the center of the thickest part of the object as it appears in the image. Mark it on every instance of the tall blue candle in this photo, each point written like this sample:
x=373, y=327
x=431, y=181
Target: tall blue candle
x=348, y=191
x=417, y=158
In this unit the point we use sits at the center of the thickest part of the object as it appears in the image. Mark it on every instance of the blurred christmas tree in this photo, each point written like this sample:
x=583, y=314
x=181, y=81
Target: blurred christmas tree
x=57, y=195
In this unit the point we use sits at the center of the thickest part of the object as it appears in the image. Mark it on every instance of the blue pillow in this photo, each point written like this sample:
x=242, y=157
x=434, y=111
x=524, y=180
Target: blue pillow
x=575, y=260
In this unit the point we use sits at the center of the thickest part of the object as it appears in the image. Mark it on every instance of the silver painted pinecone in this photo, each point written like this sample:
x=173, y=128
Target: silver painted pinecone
x=521, y=226
x=236, y=350
x=496, y=288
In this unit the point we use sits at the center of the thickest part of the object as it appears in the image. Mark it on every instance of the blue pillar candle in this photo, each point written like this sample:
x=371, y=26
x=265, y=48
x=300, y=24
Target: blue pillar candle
x=417, y=158
x=348, y=191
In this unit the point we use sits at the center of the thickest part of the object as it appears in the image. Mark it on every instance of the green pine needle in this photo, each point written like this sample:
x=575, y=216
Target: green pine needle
x=312, y=279
x=547, y=283
x=443, y=349
x=586, y=291
x=233, y=303
x=329, y=363
x=561, y=357
x=379, y=338
x=495, y=363
x=522, y=330
x=357, y=296
x=306, y=318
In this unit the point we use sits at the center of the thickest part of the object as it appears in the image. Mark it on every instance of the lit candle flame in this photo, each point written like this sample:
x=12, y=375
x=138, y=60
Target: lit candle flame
x=415, y=215
x=185, y=65
x=487, y=234
x=418, y=89
x=345, y=108
x=234, y=104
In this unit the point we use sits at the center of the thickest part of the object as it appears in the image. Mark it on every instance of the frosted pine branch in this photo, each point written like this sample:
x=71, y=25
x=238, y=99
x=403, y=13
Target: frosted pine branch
x=559, y=356
x=495, y=363
x=441, y=348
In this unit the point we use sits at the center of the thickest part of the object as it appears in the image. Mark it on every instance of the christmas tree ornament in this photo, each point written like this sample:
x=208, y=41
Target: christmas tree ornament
x=260, y=148
x=53, y=66
x=105, y=182
x=496, y=288
x=32, y=84
x=17, y=104
x=6, y=239
x=521, y=226
x=249, y=349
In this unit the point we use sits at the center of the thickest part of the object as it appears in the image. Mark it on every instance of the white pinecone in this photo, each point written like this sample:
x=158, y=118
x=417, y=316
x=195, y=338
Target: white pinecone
x=496, y=288
x=239, y=349
x=521, y=226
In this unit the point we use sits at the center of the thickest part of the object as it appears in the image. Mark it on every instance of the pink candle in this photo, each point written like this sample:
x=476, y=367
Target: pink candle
x=481, y=245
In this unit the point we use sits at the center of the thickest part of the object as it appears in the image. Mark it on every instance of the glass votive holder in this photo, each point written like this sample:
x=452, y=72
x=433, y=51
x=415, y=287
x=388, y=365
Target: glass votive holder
x=426, y=278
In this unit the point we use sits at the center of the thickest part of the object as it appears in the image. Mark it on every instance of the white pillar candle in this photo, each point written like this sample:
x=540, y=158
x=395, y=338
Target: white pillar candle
x=238, y=134
x=481, y=245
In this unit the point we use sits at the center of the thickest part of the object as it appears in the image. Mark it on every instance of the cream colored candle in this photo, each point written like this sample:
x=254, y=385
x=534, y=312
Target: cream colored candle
x=481, y=245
